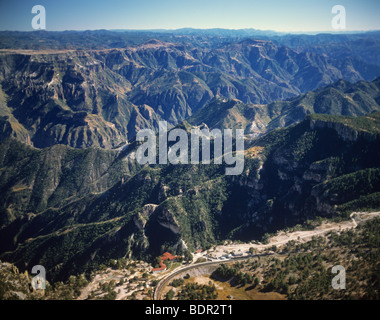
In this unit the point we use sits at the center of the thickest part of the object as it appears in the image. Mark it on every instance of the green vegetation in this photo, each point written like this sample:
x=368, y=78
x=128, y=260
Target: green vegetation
x=303, y=271
x=362, y=185
x=170, y=295
x=233, y=275
x=200, y=260
x=369, y=123
x=177, y=282
x=16, y=286
x=195, y=291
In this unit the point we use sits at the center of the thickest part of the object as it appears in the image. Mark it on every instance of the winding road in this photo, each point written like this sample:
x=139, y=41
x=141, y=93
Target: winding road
x=277, y=240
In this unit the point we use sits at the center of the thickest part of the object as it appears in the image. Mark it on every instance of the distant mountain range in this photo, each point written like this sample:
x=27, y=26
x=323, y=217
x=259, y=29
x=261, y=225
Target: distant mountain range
x=102, y=39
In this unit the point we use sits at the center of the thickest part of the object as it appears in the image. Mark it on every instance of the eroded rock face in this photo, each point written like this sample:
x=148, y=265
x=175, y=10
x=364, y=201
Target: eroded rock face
x=140, y=221
x=101, y=98
x=71, y=99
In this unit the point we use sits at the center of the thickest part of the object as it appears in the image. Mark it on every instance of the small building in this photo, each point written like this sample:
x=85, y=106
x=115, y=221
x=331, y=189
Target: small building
x=165, y=256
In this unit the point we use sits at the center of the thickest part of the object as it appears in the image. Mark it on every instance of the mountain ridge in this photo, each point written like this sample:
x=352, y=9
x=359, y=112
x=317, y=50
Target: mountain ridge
x=103, y=97
x=340, y=98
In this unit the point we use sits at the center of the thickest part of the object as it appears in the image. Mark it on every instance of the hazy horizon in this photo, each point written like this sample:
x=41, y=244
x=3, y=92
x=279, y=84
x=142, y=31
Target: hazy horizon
x=158, y=30
x=294, y=16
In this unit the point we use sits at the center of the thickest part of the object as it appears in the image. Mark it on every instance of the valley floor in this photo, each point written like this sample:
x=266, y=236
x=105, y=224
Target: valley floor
x=287, y=266
x=228, y=251
x=265, y=262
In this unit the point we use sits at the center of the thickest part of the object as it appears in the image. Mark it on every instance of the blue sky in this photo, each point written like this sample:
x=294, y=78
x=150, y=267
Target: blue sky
x=278, y=15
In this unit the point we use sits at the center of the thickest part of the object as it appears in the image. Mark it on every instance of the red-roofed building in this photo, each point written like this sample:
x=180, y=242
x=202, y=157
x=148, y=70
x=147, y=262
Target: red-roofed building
x=165, y=256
